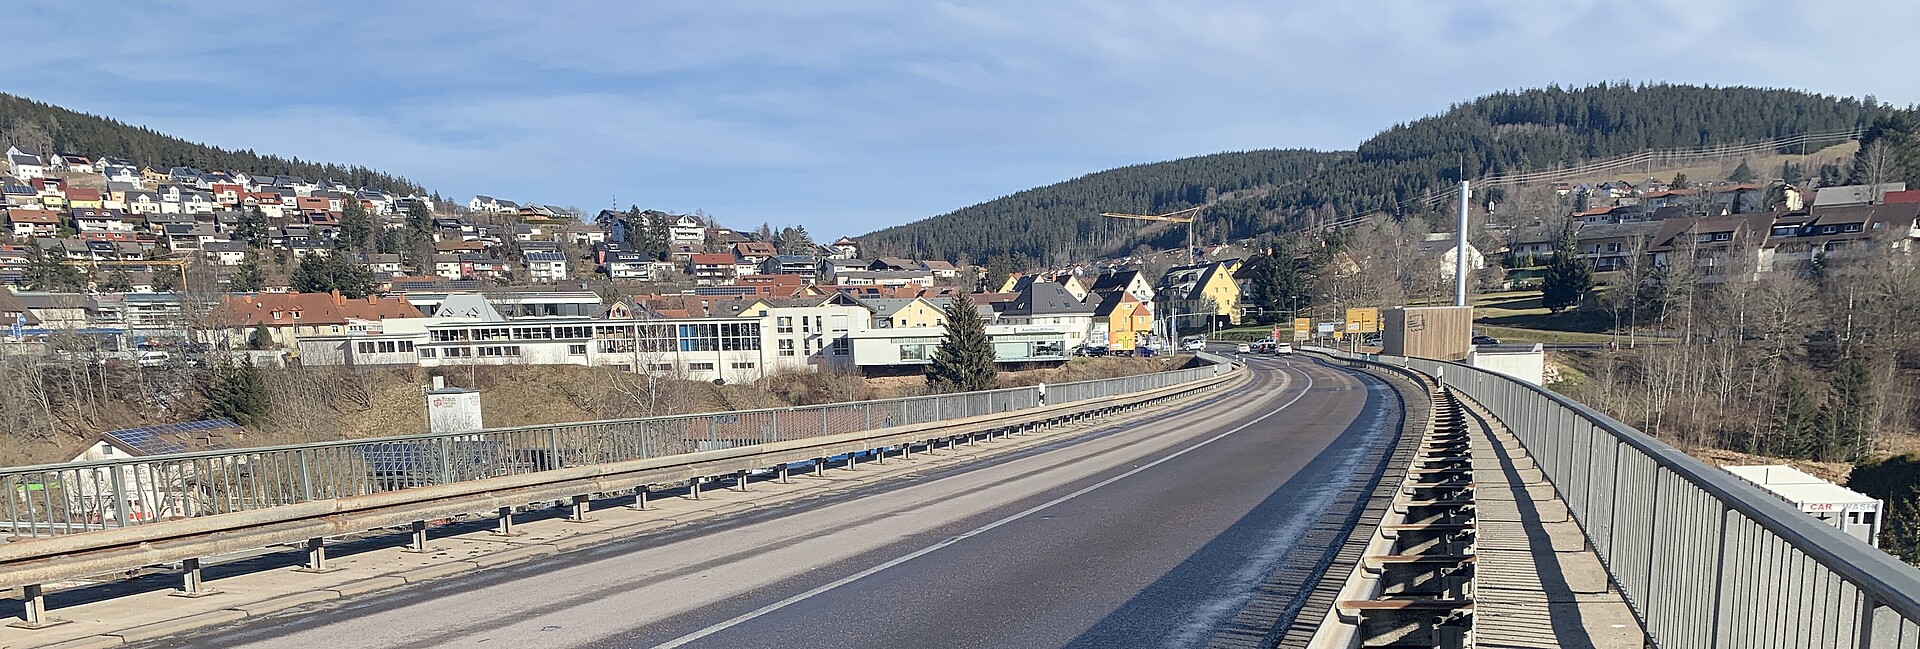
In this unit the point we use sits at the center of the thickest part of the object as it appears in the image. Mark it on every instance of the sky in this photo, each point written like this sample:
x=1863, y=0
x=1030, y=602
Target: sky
x=850, y=116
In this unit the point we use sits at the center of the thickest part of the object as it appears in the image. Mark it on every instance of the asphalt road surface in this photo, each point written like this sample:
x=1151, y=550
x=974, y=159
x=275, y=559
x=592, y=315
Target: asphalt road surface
x=1136, y=535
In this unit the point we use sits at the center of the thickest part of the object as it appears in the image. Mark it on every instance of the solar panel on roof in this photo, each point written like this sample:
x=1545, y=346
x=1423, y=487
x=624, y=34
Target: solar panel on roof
x=166, y=438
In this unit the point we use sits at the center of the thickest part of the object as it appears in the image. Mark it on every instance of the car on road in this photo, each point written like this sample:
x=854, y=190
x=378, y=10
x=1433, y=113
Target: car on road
x=1484, y=339
x=1282, y=348
x=1194, y=344
x=1243, y=348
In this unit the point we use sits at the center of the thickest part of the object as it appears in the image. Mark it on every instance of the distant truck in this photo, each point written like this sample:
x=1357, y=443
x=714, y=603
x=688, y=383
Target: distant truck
x=1852, y=512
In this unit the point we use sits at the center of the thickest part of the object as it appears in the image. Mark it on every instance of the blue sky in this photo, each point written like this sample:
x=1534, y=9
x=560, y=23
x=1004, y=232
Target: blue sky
x=848, y=116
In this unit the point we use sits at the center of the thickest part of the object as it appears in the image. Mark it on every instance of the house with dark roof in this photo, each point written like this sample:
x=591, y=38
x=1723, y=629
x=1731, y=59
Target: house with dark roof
x=1202, y=292
x=1049, y=303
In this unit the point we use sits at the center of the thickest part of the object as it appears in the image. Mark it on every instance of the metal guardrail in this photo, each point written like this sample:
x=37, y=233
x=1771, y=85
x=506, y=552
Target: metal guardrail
x=1705, y=559
x=78, y=497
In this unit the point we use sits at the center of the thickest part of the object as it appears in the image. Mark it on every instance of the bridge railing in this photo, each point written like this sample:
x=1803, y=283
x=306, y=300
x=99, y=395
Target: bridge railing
x=76, y=497
x=1706, y=559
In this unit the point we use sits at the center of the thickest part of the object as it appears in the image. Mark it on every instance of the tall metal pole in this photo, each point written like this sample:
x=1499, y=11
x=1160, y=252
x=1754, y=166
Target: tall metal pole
x=1460, y=249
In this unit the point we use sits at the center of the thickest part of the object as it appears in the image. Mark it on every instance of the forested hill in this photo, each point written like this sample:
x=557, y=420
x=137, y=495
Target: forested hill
x=1062, y=220
x=44, y=128
x=1509, y=131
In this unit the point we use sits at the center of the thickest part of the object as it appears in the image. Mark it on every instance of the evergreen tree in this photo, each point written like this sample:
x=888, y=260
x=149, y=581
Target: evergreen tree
x=1792, y=173
x=237, y=392
x=166, y=281
x=1846, y=427
x=998, y=270
x=964, y=360
x=356, y=226
x=419, y=222
x=260, y=338
x=1568, y=277
x=323, y=273
x=795, y=241
x=117, y=281
x=252, y=228
x=1742, y=173
x=1895, y=480
x=45, y=272
x=1794, y=418
x=1277, y=286
x=1679, y=181
x=1830, y=175
x=247, y=277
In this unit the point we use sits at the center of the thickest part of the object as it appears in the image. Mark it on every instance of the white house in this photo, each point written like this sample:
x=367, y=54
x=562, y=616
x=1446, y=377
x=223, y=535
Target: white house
x=546, y=266
x=25, y=166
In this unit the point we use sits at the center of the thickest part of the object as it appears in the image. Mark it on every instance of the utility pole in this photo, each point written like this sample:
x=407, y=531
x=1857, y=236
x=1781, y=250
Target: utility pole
x=1460, y=248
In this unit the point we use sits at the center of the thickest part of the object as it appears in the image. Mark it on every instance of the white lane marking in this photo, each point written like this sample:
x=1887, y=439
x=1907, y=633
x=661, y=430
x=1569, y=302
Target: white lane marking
x=750, y=615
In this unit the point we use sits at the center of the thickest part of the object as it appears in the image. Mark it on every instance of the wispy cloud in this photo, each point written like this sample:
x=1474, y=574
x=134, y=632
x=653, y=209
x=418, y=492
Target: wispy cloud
x=853, y=114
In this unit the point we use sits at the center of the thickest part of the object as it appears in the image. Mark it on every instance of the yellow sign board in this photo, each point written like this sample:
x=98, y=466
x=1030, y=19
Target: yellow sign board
x=1363, y=321
x=1302, y=328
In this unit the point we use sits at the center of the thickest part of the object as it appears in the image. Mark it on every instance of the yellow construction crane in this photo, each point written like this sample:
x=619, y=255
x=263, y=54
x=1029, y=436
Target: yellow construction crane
x=1170, y=217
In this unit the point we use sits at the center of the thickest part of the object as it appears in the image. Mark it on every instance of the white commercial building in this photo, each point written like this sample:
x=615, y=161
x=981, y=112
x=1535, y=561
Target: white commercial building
x=916, y=345
x=1852, y=512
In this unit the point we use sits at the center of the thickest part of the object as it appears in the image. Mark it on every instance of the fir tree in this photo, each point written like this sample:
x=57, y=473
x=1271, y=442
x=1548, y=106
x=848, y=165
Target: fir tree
x=117, y=281
x=1794, y=418
x=252, y=228
x=246, y=277
x=323, y=273
x=1846, y=427
x=1895, y=480
x=1742, y=173
x=237, y=392
x=1679, y=182
x=964, y=361
x=1568, y=277
x=356, y=226
x=260, y=338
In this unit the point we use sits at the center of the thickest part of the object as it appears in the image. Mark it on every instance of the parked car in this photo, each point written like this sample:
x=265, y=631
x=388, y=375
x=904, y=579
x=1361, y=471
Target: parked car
x=1484, y=339
x=153, y=358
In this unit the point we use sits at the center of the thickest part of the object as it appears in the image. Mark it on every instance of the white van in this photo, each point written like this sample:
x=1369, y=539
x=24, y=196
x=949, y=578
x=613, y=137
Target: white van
x=153, y=358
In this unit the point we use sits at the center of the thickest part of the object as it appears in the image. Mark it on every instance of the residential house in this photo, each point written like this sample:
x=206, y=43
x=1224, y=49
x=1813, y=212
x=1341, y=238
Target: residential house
x=582, y=234
x=288, y=316
x=754, y=252
x=1853, y=230
x=1121, y=322
x=117, y=174
x=384, y=265
x=93, y=219
x=940, y=269
x=845, y=248
x=629, y=265
x=1532, y=245
x=1609, y=247
x=545, y=266
x=224, y=253
x=26, y=222
x=687, y=229
x=72, y=162
x=82, y=198
x=1843, y=195
x=709, y=269
x=891, y=278
x=1200, y=293
x=807, y=267
x=830, y=268
x=1442, y=256
x=1131, y=281
x=1049, y=303
x=1718, y=245
x=18, y=193
x=25, y=166
x=893, y=263
x=900, y=313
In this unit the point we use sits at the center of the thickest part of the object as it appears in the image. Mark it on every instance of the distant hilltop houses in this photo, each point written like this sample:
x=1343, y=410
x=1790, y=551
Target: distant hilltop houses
x=116, y=225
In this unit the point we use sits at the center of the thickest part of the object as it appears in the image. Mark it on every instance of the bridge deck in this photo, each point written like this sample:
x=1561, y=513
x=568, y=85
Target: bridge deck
x=1536, y=583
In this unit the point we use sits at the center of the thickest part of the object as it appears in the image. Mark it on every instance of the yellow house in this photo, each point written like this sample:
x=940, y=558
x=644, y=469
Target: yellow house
x=1202, y=288
x=901, y=313
x=1124, y=318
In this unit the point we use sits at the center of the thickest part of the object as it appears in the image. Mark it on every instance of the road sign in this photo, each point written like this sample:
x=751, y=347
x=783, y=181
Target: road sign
x=1363, y=321
x=1327, y=327
x=1302, y=328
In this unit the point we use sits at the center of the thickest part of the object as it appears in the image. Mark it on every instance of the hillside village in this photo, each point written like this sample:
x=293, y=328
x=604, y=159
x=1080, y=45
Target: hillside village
x=151, y=258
